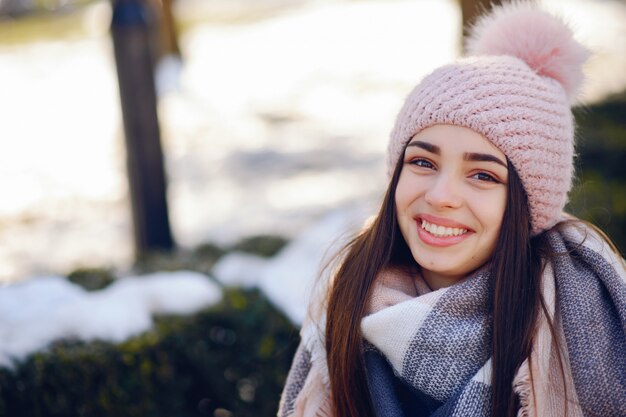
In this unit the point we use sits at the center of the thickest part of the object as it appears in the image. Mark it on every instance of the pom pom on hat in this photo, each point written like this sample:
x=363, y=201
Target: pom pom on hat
x=544, y=42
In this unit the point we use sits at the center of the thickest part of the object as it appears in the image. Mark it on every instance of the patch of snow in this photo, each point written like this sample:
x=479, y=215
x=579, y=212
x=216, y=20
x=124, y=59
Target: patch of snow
x=181, y=292
x=239, y=269
x=37, y=312
x=36, y=297
x=288, y=278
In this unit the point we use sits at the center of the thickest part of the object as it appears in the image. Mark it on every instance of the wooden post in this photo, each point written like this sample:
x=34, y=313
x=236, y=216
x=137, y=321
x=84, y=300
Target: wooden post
x=133, y=57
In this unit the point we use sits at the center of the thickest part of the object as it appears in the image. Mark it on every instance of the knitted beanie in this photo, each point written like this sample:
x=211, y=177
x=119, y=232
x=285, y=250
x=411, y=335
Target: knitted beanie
x=515, y=89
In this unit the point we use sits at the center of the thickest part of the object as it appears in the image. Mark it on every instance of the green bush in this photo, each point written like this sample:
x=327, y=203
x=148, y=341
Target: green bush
x=92, y=279
x=204, y=257
x=261, y=245
x=228, y=360
x=599, y=194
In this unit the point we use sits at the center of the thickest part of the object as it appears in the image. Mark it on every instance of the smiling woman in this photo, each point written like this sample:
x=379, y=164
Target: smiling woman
x=450, y=201
x=471, y=293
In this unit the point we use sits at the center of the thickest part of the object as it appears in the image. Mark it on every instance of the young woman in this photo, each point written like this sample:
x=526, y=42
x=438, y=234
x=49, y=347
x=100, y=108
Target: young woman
x=471, y=293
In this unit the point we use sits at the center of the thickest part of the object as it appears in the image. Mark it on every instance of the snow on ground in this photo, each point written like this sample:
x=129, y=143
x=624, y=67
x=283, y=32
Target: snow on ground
x=288, y=278
x=39, y=311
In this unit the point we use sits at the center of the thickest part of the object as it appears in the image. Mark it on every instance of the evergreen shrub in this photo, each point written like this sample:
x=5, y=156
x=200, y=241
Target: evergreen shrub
x=599, y=194
x=228, y=360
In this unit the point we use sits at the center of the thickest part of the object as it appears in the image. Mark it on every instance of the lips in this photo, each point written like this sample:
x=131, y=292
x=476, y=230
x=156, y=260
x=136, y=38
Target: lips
x=442, y=221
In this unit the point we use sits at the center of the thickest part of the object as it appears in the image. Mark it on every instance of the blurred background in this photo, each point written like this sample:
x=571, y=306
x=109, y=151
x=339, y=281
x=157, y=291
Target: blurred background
x=235, y=139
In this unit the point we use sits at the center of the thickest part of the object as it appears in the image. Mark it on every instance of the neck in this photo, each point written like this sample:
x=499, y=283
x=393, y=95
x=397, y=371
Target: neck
x=436, y=281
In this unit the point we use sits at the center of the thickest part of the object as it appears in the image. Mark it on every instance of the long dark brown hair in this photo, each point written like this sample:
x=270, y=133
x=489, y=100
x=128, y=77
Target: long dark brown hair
x=516, y=299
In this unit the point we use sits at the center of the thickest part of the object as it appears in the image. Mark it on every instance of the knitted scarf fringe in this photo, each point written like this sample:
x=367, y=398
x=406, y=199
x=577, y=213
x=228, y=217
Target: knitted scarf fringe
x=522, y=386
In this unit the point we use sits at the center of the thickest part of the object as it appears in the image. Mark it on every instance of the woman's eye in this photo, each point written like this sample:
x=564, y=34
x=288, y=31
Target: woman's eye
x=422, y=163
x=483, y=176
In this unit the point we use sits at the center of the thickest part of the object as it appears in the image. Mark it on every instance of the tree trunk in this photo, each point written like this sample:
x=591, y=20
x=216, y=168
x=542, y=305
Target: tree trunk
x=147, y=183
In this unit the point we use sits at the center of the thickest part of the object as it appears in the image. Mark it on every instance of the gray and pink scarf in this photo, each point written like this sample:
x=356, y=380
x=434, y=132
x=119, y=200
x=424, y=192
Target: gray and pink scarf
x=438, y=343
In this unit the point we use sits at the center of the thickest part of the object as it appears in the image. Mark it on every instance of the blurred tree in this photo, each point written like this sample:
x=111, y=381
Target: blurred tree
x=134, y=60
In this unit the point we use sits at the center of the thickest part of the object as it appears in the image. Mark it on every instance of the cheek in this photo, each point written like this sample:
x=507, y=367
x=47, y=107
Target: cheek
x=406, y=192
x=400, y=195
x=493, y=211
x=400, y=199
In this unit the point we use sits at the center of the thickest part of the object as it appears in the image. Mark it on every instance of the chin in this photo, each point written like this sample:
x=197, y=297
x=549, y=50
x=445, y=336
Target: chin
x=451, y=264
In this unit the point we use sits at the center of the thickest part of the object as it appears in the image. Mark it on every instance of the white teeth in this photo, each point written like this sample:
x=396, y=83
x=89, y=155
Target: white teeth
x=442, y=231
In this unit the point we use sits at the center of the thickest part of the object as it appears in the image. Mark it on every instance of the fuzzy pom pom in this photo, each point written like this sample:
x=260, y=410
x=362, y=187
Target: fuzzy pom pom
x=544, y=42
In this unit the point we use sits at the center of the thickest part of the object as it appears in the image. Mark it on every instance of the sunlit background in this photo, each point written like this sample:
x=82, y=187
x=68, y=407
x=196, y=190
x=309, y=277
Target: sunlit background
x=274, y=121
x=278, y=113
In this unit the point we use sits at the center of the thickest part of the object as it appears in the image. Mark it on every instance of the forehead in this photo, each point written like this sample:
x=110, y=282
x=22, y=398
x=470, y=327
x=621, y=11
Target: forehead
x=457, y=139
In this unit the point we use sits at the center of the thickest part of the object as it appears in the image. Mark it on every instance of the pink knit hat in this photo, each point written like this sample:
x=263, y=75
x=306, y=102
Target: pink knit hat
x=515, y=89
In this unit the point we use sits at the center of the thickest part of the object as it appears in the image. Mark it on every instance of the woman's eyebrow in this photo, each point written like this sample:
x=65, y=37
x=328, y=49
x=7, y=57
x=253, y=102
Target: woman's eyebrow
x=484, y=157
x=426, y=146
x=467, y=156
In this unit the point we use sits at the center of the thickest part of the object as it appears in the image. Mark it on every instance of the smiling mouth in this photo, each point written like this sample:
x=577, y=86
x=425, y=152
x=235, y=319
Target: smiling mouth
x=442, y=231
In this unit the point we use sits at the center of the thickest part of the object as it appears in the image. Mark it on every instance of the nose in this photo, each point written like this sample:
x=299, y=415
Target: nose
x=443, y=193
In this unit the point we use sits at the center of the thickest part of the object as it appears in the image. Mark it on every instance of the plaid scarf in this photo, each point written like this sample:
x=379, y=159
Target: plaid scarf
x=436, y=345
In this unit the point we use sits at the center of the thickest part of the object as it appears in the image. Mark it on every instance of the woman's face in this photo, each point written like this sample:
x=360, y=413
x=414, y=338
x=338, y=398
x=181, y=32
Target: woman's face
x=450, y=201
